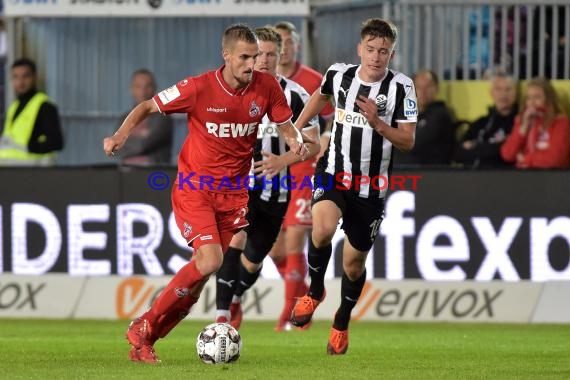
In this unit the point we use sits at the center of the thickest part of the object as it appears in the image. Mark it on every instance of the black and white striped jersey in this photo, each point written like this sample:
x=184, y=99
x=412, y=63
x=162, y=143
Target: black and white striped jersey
x=355, y=148
x=269, y=140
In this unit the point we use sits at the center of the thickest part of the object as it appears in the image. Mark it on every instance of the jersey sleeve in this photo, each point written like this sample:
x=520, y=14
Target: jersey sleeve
x=406, y=109
x=279, y=111
x=299, y=98
x=327, y=83
x=179, y=98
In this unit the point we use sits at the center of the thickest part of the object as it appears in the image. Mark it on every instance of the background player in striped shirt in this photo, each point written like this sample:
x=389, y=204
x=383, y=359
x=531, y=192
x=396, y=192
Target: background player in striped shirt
x=270, y=197
x=375, y=111
x=288, y=251
x=224, y=108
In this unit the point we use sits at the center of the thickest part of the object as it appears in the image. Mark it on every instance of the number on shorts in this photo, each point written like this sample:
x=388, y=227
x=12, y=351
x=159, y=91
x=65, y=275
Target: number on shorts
x=303, y=209
x=374, y=227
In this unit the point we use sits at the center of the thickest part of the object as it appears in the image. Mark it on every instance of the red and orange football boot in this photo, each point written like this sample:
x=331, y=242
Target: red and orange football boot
x=338, y=342
x=304, y=309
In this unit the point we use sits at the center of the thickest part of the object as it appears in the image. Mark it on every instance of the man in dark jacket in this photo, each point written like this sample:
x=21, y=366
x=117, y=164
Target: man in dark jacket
x=151, y=141
x=435, y=127
x=481, y=144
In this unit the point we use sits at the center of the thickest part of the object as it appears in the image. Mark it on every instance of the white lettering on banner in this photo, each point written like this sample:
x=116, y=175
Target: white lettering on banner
x=15, y=295
x=176, y=262
x=22, y=214
x=396, y=228
x=542, y=232
x=78, y=240
x=233, y=130
x=428, y=253
x=144, y=246
x=155, y=8
x=497, y=245
x=33, y=238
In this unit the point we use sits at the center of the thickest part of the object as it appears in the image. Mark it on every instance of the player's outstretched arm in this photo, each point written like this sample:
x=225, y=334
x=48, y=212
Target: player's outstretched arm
x=314, y=106
x=113, y=143
x=295, y=139
x=272, y=164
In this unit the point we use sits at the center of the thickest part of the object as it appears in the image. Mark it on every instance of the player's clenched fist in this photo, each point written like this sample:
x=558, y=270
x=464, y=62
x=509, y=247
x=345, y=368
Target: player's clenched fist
x=112, y=144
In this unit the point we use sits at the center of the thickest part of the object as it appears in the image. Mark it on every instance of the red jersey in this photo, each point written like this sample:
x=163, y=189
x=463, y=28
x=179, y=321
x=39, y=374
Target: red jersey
x=539, y=148
x=222, y=126
x=310, y=80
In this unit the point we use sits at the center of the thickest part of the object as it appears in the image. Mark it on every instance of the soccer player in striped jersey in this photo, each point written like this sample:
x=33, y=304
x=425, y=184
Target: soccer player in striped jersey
x=270, y=195
x=375, y=112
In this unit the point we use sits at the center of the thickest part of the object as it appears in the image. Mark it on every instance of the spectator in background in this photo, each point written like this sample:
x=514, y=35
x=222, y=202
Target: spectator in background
x=481, y=144
x=541, y=134
x=435, y=127
x=151, y=141
x=32, y=130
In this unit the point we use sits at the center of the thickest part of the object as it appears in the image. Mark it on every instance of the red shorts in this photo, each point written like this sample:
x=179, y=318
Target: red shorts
x=203, y=216
x=299, y=210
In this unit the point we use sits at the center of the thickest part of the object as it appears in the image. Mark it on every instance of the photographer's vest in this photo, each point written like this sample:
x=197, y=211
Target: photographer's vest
x=17, y=133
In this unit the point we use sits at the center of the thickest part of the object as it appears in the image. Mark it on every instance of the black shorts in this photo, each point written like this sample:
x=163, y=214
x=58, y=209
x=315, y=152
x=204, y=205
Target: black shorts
x=265, y=220
x=361, y=217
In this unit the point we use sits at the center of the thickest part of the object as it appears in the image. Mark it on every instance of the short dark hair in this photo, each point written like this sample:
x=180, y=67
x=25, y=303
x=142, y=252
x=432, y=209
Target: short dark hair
x=375, y=27
x=238, y=32
x=144, y=72
x=269, y=34
x=25, y=62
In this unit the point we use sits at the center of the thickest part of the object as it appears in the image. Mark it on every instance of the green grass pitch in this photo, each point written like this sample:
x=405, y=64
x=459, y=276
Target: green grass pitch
x=66, y=349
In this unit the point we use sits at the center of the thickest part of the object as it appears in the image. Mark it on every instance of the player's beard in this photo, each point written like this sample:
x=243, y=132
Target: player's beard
x=245, y=78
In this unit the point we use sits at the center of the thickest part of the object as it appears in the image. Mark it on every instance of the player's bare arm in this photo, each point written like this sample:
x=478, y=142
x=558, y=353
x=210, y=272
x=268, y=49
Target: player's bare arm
x=295, y=139
x=402, y=137
x=314, y=106
x=272, y=164
x=113, y=143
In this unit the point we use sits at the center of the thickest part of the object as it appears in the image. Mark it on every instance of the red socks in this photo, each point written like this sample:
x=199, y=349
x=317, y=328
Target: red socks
x=174, y=300
x=295, y=285
x=281, y=267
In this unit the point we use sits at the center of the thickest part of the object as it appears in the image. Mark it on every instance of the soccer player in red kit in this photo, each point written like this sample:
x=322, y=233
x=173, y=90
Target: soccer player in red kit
x=224, y=108
x=287, y=253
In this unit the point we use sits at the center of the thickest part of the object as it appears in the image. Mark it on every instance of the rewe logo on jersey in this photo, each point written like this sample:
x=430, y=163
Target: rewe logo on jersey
x=226, y=130
x=353, y=119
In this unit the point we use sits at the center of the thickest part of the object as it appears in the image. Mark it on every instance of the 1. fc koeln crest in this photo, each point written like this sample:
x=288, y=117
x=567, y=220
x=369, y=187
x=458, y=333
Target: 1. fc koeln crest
x=254, y=109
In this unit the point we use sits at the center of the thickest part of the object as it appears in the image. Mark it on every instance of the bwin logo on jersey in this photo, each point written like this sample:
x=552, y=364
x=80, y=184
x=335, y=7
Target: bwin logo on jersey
x=410, y=107
x=381, y=102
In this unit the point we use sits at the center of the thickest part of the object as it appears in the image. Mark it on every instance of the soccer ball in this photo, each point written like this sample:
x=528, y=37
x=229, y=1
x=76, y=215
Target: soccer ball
x=218, y=343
